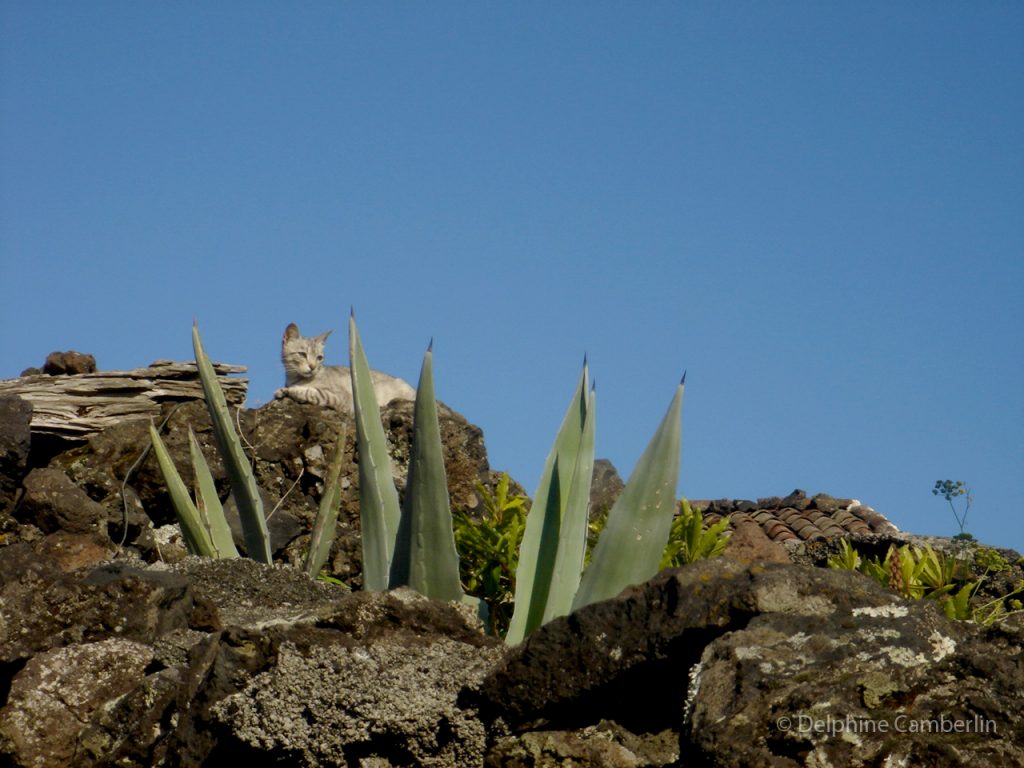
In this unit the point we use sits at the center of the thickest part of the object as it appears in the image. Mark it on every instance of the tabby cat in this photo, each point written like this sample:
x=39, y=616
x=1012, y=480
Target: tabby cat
x=308, y=380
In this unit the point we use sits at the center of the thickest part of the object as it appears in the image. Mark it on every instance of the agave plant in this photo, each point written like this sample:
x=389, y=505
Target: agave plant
x=204, y=526
x=550, y=578
x=414, y=544
x=551, y=553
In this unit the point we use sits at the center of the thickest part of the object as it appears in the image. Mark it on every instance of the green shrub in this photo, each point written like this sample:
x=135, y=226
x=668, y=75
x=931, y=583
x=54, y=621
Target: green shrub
x=489, y=550
x=489, y=546
x=988, y=559
x=926, y=574
x=689, y=540
x=915, y=573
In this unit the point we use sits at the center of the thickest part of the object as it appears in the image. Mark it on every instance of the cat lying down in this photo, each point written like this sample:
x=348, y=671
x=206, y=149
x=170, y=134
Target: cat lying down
x=308, y=380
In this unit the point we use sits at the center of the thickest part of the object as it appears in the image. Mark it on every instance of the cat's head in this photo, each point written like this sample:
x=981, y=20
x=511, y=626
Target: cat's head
x=303, y=356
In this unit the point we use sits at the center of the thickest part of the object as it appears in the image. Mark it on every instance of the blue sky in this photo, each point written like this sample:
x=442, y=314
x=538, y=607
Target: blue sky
x=813, y=208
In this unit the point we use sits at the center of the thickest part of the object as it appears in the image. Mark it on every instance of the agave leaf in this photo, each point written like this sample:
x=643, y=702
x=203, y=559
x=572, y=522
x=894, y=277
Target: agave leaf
x=631, y=544
x=196, y=538
x=211, y=512
x=243, y=482
x=425, y=556
x=327, y=516
x=572, y=537
x=539, y=549
x=378, y=498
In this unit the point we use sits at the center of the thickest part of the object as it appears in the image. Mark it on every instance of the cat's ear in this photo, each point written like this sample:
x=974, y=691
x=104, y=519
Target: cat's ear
x=291, y=332
x=323, y=336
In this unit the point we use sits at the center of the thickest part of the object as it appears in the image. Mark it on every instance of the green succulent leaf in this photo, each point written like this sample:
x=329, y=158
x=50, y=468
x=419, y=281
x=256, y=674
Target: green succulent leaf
x=572, y=536
x=958, y=606
x=425, y=557
x=326, y=521
x=630, y=548
x=378, y=498
x=211, y=512
x=197, y=540
x=236, y=463
x=553, y=518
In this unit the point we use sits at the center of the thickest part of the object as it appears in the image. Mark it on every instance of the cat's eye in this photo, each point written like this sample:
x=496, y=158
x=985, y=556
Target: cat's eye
x=319, y=358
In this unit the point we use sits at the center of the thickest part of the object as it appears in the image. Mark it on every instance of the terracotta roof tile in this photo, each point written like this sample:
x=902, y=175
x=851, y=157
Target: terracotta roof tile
x=820, y=517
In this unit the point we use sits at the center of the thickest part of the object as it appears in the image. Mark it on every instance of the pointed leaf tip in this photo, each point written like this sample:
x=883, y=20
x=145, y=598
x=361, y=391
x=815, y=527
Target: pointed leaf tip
x=682, y=381
x=430, y=346
x=352, y=311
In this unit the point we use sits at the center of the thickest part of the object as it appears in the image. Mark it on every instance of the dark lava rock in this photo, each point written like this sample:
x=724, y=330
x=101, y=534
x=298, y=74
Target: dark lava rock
x=43, y=607
x=605, y=745
x=605, y=487
x=291, y=444
x=69, y=363
x=209, y=662
x=52, y=502
x=721, y=653
x=15, y=440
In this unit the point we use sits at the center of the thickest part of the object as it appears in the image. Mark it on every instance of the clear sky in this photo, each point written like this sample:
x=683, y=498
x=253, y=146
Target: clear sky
x=815, y=208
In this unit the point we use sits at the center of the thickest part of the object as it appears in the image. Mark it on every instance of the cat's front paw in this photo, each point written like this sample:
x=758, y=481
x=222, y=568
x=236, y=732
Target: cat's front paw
x=281, y=393
x=329, y=400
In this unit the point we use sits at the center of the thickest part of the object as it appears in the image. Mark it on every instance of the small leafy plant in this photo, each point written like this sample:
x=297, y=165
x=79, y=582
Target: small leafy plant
x=949, y=490
x=915, y=573
x=959, y=606
x=489, y=549
x=926, y=574
x=847, y=559
x=689, y=540
x=988, y=559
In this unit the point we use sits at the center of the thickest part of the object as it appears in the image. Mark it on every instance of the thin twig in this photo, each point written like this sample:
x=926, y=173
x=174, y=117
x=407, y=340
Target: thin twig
x=292, y=488
x=242, y=437
x=124, y=484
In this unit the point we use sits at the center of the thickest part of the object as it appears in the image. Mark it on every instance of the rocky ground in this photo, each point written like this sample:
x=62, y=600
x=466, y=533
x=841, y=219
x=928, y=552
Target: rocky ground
x=118, y=650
